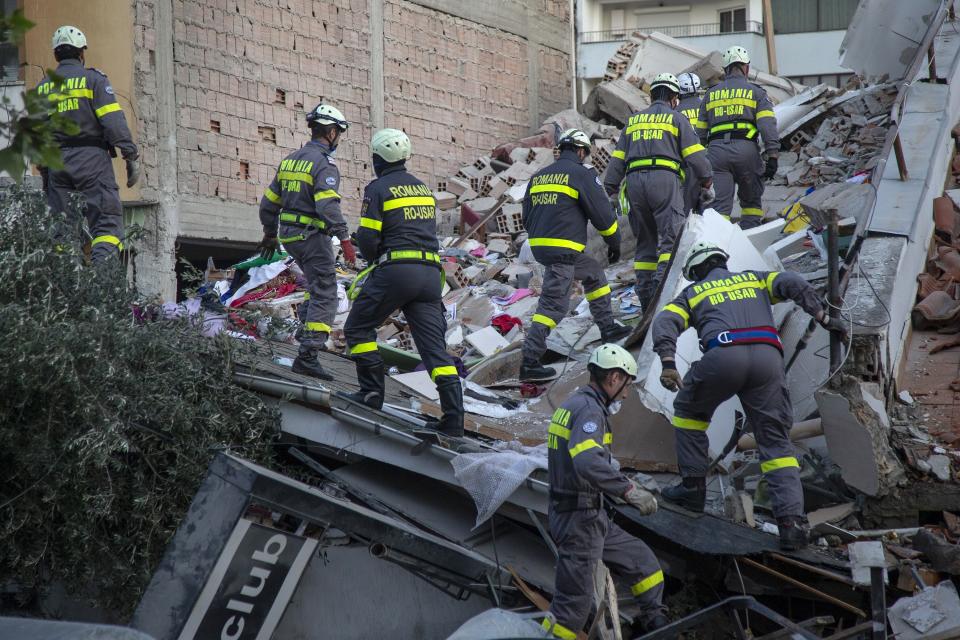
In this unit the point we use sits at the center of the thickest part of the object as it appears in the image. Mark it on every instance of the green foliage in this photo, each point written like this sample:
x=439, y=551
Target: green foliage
x=107, y=423
x=30, y=130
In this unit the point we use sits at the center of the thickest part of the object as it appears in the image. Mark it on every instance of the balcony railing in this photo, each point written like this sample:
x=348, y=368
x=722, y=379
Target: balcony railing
x=677, y=31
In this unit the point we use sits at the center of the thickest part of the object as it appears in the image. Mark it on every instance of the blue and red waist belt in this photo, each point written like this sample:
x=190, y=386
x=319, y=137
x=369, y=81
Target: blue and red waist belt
x=747, y=335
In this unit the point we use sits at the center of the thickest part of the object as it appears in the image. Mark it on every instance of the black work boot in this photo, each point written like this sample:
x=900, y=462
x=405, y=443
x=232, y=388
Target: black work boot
x=451, y=402
x=793, y=533
x=644, y=625
x=308, y=364
x=536, y=371
x=370, y=379
x=616, y=332
x=690, y=494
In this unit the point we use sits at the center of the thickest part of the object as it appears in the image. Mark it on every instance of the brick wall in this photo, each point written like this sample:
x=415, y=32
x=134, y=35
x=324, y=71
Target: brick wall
x=245, y=71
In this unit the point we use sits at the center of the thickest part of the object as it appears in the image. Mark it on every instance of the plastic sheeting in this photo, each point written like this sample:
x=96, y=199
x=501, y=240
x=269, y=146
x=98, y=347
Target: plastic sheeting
x=491, y=477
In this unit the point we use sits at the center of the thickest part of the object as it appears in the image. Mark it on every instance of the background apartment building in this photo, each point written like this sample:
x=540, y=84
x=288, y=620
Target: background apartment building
x=807, y=33
x=215, y=92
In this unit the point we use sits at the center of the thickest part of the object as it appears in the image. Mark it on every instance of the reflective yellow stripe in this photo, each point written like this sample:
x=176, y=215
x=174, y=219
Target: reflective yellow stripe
x=726, y=216
x=680, y=311
x=556, y=188
x=608, y=438
x=691, y=149
x=655, y=162
x=619, y=154
x=413, y=254
x=647, y=583
x=318, y=326
x=447, y=370
x=107, y=108
x=370, y=223
x=556, y=242
x=770, y=279
x=586, y=445
x=661, y=126
x=752, y=211
x=410, y=201
x=644, y=266
x=323, y=195
x=609, y=231
x=298, y=176
x=271, y=196
x=778, y=463
x=664, y=257
x=730, y=126
x=542, y=319
x=306, y=295
x=558, y=630
x=698, y=124
x=289, y=239
x=766, y=113
x=598, y=293
x=728, y=102
x=689, y=423
x=298, y=219
x=72, y=93
x=556, y=430
x=697, y=299
x=363, y=347
x=114, y=240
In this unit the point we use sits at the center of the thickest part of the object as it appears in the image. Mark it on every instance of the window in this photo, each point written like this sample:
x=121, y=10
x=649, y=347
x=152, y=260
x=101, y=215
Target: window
x=617, y=17
x=733, y=21
x=799, y=16
x=9, y=53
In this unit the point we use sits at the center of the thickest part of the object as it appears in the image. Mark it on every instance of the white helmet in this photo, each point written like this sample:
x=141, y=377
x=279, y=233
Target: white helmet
x=735, y=54
x=574, y=138
x=70, y=36
x=700, y=253
x=611, y=356
x=392, y=145
x=324, y=114
x=667, y=80
x=689, y=83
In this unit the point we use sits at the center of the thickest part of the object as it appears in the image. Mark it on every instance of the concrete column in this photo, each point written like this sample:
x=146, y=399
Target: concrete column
x=533, y=67
x=376, y=64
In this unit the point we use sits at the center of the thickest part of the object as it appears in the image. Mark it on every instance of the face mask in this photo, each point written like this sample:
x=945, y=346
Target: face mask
x=614, y=407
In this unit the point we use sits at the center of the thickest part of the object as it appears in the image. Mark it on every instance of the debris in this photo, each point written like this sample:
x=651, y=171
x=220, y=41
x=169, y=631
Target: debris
x=863, y=557
x=487, y=341
x=932, y=614
x=944, y=556
x=420, y=382
x=940, y=467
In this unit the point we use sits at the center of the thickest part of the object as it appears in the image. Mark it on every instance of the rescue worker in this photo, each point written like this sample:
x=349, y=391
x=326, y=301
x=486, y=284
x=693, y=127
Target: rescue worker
x=690, y=107
x=301, y=210
x=398, y=238
x=650, y=151
x=743, y=356
x=86, y=97
x=581, y=471
x=560, y=200
x=732, y=113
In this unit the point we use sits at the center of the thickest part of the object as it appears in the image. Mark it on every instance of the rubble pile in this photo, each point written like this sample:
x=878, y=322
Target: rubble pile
x=841, y=138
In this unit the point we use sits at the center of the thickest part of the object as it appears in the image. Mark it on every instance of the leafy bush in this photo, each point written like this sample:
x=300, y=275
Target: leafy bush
x=107, y=423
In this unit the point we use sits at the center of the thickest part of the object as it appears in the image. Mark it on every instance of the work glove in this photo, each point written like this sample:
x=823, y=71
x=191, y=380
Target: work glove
x=643, y=500
x=707, y=195
x=613, y=253
x=670, y=378
x=834, y=325
x=268, y=246
x=133, y=172
x=349, y=253
x=771, y=170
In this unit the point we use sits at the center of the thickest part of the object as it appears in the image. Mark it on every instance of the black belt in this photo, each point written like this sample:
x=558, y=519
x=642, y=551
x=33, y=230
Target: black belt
x=563, y=501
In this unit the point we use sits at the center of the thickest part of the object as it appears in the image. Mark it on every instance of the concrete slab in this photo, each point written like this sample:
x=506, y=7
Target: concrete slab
x=903, y=25
x=933, y=614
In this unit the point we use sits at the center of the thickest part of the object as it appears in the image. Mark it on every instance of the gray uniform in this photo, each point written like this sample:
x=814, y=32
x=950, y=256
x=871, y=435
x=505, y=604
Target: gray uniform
x=303, y=200
x=650, y=151
x=580, y=468
x=86, y=97
x=731, y=115
x=743, y=356
x=690, y=107
x=560, y=200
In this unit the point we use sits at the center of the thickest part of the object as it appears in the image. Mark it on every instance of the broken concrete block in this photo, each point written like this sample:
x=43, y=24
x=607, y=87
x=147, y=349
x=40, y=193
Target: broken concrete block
x=857, y=431
x=932, y=614
x=944, y=556
x=487, y=341
x=457, y=186
x=475, y=311
x=510, y=219
x=865, y=556
x=483, y=205
x=445, y=199
x=454, y=274
x=496, y=187
x=420, y=382
x=940, y=467
x=619, y=99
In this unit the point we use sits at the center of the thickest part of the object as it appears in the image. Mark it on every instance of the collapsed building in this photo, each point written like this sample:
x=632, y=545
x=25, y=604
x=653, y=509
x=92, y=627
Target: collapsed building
x=401, y=529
